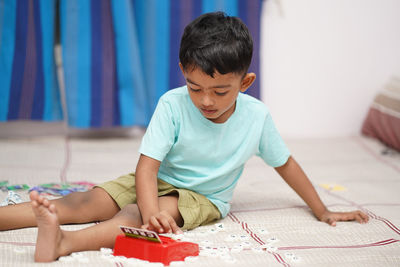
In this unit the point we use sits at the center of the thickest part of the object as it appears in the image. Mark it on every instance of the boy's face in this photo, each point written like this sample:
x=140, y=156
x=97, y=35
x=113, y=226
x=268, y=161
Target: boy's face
x=216, y=97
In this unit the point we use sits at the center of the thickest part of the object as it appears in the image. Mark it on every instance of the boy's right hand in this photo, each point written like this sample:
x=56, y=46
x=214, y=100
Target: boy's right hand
x=162, y=222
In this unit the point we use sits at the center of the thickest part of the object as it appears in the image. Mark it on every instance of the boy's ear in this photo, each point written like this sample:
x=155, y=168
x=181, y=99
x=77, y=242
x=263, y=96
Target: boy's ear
x=247, y=81
x=181, y=67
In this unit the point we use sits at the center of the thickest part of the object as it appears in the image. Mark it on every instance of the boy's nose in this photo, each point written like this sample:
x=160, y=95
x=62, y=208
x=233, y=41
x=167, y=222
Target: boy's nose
x=207, y=101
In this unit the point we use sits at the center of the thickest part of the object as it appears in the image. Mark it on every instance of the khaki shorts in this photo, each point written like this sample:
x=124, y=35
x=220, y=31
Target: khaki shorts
x=194, y=208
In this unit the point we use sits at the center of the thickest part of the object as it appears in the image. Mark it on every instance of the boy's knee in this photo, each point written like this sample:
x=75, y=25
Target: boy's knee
x=85, y=206
x=129, y=215
x=130, y=208
x=76, y=200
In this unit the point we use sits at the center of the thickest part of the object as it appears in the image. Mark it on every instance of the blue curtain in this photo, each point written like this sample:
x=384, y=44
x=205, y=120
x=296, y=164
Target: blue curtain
x=119, y=56
x=28, y=81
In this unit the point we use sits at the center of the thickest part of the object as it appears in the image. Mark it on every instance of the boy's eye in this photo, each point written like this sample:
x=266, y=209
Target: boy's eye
x=194, y=90
x=221, y=93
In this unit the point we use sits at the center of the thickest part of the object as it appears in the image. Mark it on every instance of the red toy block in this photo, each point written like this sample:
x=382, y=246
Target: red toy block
x=165, y=252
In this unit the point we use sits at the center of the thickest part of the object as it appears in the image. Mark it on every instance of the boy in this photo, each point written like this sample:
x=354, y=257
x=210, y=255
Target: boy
x=192, y=154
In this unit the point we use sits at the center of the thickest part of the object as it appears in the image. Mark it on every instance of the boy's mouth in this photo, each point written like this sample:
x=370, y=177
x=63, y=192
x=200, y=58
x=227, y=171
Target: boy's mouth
x=208, y=111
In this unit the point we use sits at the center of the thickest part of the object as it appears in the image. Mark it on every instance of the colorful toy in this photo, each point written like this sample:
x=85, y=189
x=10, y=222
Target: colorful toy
x=11, y=199
x=17, y=187
x=148, y=245
x=55, y=189
x=3, y=186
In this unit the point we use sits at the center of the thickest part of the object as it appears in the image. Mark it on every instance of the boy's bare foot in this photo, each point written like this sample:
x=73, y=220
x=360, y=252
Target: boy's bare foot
x=49, y=233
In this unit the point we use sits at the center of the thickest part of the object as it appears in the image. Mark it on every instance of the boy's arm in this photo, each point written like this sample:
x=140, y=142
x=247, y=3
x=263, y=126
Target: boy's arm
x=147, y=197
x=294, y=176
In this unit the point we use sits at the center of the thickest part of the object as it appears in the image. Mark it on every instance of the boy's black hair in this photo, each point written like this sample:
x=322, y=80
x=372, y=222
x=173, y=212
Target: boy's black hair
x=215, y=42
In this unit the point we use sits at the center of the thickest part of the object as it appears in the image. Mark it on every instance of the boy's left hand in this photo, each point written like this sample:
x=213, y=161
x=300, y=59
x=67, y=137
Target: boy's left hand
x=162, y=222
x=332, y=217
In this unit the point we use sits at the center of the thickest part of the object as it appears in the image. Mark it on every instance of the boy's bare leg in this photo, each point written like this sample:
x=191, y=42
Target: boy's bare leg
x=78, y=207
x=52, y=242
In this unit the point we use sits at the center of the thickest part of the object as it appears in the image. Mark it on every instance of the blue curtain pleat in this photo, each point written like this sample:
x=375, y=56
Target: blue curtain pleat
x=7, y=41
x=132, y=94
x=38, y=95
x=250, y=13
x=152, y=20
x=18, y=60
x=76, y=56
x=28, y=82
x=52, y=101
x=119, y=56
x=96, y=75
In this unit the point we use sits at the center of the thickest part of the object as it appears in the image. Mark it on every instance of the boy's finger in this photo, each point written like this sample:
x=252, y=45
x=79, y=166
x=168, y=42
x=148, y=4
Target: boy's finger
x=364, y=216
x=356, y=216
x=361, y=218
x=174, y=227
x=155, y=224
x=331, y=222
x=166, y=222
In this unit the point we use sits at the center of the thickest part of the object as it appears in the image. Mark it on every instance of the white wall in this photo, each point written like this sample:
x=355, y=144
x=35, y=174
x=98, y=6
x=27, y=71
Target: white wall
x=323, y=61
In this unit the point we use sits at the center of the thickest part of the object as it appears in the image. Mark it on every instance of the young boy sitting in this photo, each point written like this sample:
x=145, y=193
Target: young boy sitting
x=192, y=154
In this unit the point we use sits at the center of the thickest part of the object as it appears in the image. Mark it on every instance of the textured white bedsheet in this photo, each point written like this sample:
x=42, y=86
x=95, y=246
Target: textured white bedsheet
x=262, y=202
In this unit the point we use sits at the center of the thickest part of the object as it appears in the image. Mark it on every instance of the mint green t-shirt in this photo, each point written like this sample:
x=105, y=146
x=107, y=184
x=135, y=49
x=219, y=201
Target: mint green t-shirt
x=207, y=157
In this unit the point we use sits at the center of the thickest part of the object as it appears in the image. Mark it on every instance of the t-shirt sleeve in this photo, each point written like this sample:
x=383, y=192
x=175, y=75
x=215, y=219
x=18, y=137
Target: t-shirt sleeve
x=160, y=134
x=272, y=149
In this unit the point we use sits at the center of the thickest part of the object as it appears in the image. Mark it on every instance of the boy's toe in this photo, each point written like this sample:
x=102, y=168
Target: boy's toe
x=45, y=202
x=33, y=195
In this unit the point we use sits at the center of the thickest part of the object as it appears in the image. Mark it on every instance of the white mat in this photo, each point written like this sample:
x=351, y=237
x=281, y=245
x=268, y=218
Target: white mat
x=265, y=211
